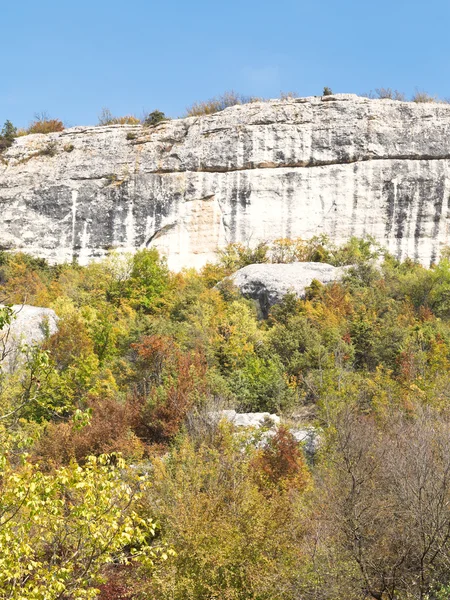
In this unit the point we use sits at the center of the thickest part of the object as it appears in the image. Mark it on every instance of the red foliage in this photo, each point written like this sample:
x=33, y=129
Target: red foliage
x=167, y=411
x=117, y=586
x=281, y=462
x=407, y=364
x=152, y=353
x=111, y=430
x=168, y=380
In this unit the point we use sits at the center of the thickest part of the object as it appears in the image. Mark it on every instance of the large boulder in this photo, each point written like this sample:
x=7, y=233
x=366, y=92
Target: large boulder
x=29, y=325
x=269, y=283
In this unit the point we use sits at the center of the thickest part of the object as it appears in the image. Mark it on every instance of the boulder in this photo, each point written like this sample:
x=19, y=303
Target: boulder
x=309, y=437
x=30, y=325
x=256, y=419
x=269, y=283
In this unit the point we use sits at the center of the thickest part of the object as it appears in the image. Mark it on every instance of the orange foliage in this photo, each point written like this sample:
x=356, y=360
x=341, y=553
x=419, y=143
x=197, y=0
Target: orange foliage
x=46, y=126
x=184, y=380
x=70, y=342
x=152, y=352
x=110, y=430
x=281, y=462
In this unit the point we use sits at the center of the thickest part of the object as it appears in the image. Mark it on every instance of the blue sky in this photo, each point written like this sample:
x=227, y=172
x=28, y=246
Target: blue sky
x=73, y=58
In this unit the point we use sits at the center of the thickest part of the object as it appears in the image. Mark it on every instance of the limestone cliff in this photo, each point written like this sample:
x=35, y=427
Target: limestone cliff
x=340, y=165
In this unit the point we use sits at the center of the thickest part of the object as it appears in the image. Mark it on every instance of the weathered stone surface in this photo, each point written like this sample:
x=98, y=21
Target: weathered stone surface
x=31, y=325
x=340, y=165
x=310, y=439
x=268, y=283
x=248, y=419
x=308, y=436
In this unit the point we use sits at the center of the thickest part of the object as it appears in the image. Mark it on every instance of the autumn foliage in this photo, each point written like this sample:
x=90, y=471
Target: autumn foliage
x=127, y=397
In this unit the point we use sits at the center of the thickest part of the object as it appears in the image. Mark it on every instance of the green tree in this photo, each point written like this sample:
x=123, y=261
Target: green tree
x=154, y=118
x=57, y=530
x=7, y=135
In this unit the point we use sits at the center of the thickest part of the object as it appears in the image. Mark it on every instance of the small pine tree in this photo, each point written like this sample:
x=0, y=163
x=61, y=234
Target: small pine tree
x=9, y=132
x=7, y=135
x=154, y=118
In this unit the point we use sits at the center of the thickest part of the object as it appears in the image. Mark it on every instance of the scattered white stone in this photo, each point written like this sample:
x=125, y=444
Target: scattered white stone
x=248, y=419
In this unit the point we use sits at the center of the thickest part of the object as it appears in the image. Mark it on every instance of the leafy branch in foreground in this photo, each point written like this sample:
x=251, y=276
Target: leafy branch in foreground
x=57, y=530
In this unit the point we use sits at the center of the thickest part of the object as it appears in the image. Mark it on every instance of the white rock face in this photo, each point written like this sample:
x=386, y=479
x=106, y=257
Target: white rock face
x=309, y=437
x=268, y=283
x=30, y=325
x=247, y=419
x=339, y=165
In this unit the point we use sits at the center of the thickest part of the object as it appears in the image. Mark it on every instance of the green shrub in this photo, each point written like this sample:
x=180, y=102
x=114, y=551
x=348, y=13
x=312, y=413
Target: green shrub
x=7, y=135
x=50, y=150
x=327, y=91
x=154, y=118
x=231, y=540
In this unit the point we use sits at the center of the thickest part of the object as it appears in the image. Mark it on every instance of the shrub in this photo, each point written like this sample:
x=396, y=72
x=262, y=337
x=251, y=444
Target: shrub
x=327, y=91
x=421, y=97
x=49, y=150
x=7, y=135
x=43, y=124
x=131, y=136
x=216, y=104
x=60, y=529
x=107, y=118
x=154, y=118
x=69, y=147
x=231, y=541
x=109, y=430
x=171, y=380
x=387, y=94
x=235, y=256
x=281, y=462
x=288, y=95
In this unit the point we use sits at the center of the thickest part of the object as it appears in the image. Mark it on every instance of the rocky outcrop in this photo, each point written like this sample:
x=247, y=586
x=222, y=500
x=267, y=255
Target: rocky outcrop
x=29, y=325
x=256, y=420
x=269, y=283
x=339, y=165
x=308, y=436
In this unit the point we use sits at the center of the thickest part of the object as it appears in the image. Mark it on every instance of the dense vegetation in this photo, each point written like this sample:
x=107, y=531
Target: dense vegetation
x=116, y=476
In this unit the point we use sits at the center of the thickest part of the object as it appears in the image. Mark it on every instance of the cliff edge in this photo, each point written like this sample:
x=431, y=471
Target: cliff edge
x=340, y=165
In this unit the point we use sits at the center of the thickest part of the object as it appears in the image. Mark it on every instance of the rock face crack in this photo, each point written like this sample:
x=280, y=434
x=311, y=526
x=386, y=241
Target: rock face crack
x=300, y=165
